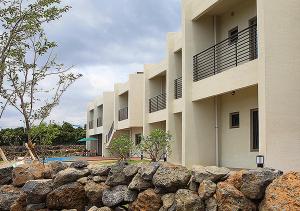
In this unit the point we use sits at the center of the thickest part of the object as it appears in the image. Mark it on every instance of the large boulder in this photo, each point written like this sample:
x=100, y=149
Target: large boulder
x=131, y=170
x=116, y=176
x=206, y=189
x=213, y=173
x=118, y=195
x=99, y=170
x=26, y=172
x=20, y=204
x=211, y=204
x=255, y=182
x=37, y=190
x=94, y=192
x=169, y=178
x=5, y=175
x=168, y=202
x=148, y=170
x=69, y=175
x=146, y=201
x=236, y=178
x=52, y=168
x=99, y=179
x=69, y=196
x=138, y=183
x=35, y=207
x=8, y=196
x=188, y=200
x=283, y=193
x=94, y=208
x=230, y=198
x=79, y=164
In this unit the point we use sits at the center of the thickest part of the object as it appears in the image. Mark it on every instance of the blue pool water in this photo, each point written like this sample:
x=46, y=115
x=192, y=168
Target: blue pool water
x=61, y=159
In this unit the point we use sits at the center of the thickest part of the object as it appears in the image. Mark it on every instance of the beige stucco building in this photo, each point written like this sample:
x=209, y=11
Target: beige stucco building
x=228, y=89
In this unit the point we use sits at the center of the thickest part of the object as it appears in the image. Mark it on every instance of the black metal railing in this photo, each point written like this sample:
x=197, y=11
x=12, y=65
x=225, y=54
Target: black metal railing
x=108, y=136
x=157, y=103
x=235, y=50
x=123, y=113
x=91, y=124
x=178, y=88
x=99, y=122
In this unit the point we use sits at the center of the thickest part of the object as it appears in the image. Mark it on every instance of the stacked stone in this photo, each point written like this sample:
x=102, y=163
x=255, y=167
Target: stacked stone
x=148, y=187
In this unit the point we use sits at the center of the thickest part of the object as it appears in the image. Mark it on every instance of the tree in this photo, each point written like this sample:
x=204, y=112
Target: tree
x=121, y=147
x=33, y=80
x=11, y=136
x=156, y=144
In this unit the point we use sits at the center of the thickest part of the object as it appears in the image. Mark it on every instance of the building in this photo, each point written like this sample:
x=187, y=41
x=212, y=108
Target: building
x=229, y=89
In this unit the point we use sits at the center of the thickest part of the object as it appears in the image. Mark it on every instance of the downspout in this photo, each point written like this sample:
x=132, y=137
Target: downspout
x=216, y=103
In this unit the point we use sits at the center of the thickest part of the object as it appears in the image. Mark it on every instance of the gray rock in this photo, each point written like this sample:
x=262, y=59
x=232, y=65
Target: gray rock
x=99, y=170
x=206, y=189
x=79, y=164
x=8, y=196
x=255, y=182
x=69, y=175
x=212, y=173
x=131, y=170
x=34, y=207
x=168, y=202
x=116, y=176
x=188, y=200
x=211, y=204
x=94, y=192
x=6, y=175
x=193, y=186
x=171, y=178
x=94, y=208
x=37, y=190
x=99, y=179
x=118, y=195
x=83, y=180
x=138, y=183
x=54, y=167
x=148, y=170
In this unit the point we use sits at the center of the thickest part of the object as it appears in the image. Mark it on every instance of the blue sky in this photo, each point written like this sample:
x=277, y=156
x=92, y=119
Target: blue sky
x=106, y=40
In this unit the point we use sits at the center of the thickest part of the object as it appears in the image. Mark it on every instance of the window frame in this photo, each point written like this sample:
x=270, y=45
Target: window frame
x=252, y=149
x=135, y=138
x=233, y=39
x=230, y=120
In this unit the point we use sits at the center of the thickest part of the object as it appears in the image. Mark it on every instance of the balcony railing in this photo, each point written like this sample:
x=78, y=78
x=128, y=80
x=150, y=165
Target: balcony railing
x=235, y=50
x=99, y=122
x=91, y=124
x=123, y=113
x=178, y=88
x=108, y=136
x=157, y=103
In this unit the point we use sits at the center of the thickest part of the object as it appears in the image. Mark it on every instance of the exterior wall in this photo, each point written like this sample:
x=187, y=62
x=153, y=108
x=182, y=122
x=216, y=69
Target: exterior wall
x=279, y=90
x=235, y=150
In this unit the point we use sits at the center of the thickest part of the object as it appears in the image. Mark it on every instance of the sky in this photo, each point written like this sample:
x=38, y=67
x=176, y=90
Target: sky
x=105, y=40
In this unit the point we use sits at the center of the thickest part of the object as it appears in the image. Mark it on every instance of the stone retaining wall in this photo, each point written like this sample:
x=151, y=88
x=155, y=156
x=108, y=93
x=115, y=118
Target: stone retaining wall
x=147, y=187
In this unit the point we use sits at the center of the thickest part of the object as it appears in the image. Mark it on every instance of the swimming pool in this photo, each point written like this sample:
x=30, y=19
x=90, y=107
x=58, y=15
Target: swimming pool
x=61, y=159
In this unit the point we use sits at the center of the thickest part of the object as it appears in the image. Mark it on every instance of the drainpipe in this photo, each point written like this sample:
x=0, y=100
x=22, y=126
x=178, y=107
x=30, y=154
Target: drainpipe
x=216, y=103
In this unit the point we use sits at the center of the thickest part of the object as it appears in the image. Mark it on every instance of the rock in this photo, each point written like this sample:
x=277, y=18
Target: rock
x=168, y=202
x=99, y=179
x=69, y=175
x=188, y=200
x=20, y=203
x=206, y=189
x=146, y=201
x=53, y=168
x=118, y=195
x=99, y=170
x=5, y=175
x=230, y=198
x=283, y=193
x=116, y=176
x=193, y=186
x=94, y=208
x=83, y=180
x=69, y=196
x=138, y=183
x=79, y=164
x=37, y=190
x=94, y=192
x=131, y=170
x=212, y=173
x=34, y=207
x=235, y=178
x=255, y=182
x=148, y=170
x=171, y=178
x=8, y=196
x=120, y=209
x=211, y=204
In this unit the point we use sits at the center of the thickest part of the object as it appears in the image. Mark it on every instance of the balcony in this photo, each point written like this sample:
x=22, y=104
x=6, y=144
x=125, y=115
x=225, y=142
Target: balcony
x=123, y=114
x=91, y=124
x=231, y=52
x=178, y=88
x=99, y=122
x=157, y=103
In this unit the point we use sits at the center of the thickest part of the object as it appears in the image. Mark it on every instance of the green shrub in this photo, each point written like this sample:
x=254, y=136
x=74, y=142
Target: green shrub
x=156, y=144
x=121, y=147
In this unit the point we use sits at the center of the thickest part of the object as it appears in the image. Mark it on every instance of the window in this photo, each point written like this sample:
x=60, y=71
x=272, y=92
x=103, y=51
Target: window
x=138, y=139
x=233, y=35
x=235, y=120
x=254, y=130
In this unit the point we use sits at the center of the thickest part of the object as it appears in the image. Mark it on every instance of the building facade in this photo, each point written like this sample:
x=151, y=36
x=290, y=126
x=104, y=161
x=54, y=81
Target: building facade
x=228, y=89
